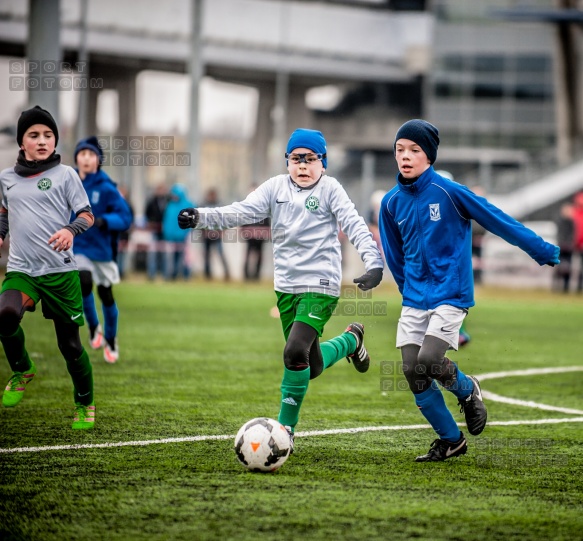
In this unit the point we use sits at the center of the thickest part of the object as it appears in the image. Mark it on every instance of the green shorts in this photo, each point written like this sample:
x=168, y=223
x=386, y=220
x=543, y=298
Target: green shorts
x=60, y=293
x=314, y=309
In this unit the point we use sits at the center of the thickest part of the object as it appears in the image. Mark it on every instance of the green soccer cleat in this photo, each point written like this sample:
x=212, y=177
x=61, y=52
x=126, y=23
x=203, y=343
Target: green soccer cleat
x=84, y=418
x=16, y=386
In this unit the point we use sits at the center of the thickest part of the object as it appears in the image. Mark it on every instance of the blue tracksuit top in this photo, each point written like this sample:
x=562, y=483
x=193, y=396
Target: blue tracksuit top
x=425, y=230
x=107, y=203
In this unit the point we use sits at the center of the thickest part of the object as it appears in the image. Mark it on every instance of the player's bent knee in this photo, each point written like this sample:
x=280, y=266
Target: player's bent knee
x=295, y=356
x=9, y=320
x=86, y=282
x=106, y=295
x=71, y=349
x=428, y=359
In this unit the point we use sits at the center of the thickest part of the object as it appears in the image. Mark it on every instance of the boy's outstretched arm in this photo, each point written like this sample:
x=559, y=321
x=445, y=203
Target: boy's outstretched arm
x=506, y=227
x=254, y=208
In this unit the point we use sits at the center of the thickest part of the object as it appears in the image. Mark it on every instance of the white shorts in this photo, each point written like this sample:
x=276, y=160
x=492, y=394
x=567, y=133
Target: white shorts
x=443, y=322
x=103, y=273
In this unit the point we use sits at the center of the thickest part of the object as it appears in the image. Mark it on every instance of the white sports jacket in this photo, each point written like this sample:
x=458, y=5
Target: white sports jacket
x=304, y=224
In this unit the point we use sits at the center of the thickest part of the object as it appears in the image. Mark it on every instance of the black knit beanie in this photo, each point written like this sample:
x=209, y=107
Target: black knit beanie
x=421, y=132
x=30, y=117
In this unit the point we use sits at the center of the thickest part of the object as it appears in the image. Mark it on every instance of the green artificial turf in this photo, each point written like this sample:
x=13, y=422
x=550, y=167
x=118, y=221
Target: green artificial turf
x=200, y=359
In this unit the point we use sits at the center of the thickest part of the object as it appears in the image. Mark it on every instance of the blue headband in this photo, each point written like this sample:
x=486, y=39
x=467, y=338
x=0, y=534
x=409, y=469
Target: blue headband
x=312, y=139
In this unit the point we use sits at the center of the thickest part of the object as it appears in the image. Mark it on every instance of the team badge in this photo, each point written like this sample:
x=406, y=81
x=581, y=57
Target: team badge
x=44, y=184
x=95, y=197
x=312, y=203
x=434, y=214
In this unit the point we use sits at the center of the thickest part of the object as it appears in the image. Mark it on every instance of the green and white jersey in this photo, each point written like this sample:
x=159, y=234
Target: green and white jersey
x=304, y=226
x=38, y=207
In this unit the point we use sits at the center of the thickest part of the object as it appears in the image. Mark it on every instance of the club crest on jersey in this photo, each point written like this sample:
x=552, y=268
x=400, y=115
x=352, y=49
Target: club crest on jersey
x=95, y=197
x=44, y=184
x=312, y=203
x=434, y=214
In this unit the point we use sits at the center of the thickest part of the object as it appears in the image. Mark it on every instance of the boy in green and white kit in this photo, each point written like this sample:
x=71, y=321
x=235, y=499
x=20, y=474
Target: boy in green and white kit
x=307, y=209
x=39, y=195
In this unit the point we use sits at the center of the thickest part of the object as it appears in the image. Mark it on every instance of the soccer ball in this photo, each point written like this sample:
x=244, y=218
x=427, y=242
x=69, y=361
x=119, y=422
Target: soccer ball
x=262, y=445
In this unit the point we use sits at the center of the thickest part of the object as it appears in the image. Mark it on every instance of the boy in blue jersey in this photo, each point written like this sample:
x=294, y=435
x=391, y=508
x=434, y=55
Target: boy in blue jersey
x=425, y=228
x=94, y=250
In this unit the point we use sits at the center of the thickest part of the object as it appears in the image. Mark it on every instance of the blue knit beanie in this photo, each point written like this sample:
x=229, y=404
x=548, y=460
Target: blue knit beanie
x=312, y=139
x=421, y=132
x=92, y=144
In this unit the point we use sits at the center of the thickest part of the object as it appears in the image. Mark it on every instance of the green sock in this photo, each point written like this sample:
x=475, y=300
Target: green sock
x=82, y=375
x=293, y=389
x=337, y=348
x=16, y=352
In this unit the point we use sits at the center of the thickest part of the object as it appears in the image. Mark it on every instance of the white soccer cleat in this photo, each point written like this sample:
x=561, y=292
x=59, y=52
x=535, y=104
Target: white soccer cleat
x=96, y=339
x=111, y=353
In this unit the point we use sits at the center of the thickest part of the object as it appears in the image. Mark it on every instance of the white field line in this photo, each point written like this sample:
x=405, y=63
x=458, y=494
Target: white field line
x=529, y=372
x=528, y=403
x=490, y=396
x=298, y=434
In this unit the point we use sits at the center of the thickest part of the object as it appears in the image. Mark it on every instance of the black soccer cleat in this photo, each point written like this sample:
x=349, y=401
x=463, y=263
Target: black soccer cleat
x=441, y=450
x=360, y=358
x=474, y=409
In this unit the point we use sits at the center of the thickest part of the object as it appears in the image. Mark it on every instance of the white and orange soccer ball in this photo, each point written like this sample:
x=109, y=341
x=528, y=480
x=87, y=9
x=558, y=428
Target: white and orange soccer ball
x=262, y=445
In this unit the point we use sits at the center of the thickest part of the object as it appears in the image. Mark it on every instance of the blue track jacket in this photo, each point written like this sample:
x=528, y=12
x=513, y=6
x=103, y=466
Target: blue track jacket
x=426, y=233
x=107, y=203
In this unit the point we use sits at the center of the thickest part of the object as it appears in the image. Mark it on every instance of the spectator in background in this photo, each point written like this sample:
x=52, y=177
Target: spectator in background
x=174, y=236
x=213, y=240
x=578, y=223
x=255, y=236
x=566, y=241
x=155, y=207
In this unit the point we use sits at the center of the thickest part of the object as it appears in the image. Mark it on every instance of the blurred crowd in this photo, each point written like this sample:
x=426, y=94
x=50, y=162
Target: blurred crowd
x=160, y=248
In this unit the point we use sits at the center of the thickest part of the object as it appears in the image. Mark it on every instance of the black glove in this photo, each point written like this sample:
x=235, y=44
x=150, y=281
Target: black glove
x=370, y=279
x=187, y=218
x=101, y=224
